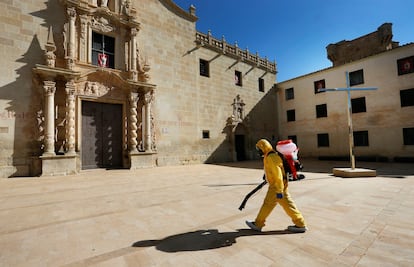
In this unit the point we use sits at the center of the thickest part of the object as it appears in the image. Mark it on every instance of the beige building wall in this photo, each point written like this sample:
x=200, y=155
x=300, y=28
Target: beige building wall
x=187, y=103
x=384, y=118
x=184, y=103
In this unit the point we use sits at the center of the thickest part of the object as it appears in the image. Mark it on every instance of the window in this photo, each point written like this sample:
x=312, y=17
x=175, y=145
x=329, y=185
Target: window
x=261, y=85
x=293, y=138
x=405, y=65
x=358, y=105
x=206, y=134
x=289, y=93
x=103, y=50
x=319, y=85
x=323, y=140
x=290, y=115
x=321, y=111
x=408, y=136
x=238, y=78
x=356, y=77
x=361, y=138
x=407, y=97
x=204, y=68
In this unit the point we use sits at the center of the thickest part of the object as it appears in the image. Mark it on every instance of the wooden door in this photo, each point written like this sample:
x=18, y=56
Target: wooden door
x=101, y=135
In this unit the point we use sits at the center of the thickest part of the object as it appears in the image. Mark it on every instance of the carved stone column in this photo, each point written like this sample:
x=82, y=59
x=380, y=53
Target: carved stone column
x=83, y=44
x=147, y=134
x=49, y=93
x=71, y=42
x=70, y=118
x=133, y=55
x=133, y=100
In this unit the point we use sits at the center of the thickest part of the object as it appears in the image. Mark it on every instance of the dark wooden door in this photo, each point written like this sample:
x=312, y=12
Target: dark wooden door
x=101, y=135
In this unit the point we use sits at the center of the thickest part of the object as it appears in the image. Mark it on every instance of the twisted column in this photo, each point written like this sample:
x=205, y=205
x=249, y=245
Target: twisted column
x=133, y=99
x=70, y=117
x=49, y=141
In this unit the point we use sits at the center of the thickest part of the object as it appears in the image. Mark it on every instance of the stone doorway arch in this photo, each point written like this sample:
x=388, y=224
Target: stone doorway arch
x=240, y=138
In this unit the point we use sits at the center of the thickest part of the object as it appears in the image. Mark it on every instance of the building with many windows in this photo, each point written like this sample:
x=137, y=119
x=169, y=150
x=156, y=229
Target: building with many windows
x=132, y=84
x=382, y=120
x=124, y=84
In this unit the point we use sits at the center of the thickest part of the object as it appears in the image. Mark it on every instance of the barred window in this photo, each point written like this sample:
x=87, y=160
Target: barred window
x=291, y=115
x=103, y=50
x=361, y=138
x=356, y=77
x=321, y=111
x=323, y=140
x=204, y=68
x=358, y=105
x=289, y=93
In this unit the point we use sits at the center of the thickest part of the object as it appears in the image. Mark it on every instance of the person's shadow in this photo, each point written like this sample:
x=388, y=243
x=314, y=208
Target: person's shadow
x=201, y=240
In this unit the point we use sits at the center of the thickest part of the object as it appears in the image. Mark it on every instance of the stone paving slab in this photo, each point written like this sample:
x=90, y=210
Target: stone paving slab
x=188, y=216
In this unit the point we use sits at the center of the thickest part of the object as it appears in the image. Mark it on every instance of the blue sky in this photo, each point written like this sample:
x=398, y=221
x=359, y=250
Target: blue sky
x=295, y=33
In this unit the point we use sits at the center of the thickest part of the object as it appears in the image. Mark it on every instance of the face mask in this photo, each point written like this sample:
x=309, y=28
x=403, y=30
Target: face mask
x=259, y=151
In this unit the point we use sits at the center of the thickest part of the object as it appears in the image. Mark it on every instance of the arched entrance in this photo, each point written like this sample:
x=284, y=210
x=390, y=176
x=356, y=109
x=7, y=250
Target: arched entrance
x=240, y=142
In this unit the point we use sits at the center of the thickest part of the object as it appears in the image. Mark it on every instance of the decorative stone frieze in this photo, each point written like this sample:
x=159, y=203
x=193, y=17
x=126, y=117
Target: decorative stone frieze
x=102, y=24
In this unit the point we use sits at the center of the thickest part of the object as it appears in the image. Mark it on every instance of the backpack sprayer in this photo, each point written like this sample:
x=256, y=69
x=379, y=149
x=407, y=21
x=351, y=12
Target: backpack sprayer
x=284, y=148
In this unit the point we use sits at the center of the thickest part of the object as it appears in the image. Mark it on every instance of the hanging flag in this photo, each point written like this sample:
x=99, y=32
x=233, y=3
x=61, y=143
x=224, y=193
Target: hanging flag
x=102, y=60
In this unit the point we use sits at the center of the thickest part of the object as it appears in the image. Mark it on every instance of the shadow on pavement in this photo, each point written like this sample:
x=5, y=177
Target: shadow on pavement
x=384, y=169
x=202, y=240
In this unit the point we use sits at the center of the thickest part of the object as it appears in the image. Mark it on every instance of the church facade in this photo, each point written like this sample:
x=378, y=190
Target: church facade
x=124, y=84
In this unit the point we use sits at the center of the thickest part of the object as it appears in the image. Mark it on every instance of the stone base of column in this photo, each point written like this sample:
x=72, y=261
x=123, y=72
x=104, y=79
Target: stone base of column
x=139, y=160
x=59, y=165
x=353, y=173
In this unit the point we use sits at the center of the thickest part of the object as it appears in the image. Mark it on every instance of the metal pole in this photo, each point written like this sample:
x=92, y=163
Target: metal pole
x=351, y=131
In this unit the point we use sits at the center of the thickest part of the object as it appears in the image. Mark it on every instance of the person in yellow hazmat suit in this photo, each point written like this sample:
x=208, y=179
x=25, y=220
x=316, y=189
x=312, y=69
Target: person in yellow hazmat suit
x=277, y=192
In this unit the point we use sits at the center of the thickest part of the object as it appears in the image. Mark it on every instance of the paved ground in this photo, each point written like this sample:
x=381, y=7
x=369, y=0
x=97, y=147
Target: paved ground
x=188, y=216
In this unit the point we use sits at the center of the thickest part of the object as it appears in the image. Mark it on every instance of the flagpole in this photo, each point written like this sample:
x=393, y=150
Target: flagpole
x=350, y=128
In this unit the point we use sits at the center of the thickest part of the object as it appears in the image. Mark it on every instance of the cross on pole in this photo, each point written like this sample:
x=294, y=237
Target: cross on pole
x=348, y=89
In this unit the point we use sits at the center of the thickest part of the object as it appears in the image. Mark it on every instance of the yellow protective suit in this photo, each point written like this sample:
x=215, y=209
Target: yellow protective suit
x=278, y=183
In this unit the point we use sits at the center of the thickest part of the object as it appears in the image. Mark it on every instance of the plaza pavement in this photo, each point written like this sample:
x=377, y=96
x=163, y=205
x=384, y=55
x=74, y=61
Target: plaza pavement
x=188, y=216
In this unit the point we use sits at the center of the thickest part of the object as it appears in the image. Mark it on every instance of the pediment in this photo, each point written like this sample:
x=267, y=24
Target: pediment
x=111, y=79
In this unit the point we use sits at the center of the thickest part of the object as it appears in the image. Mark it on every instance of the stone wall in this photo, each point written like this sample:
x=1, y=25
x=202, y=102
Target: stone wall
x=185, y=104
x=384, y=118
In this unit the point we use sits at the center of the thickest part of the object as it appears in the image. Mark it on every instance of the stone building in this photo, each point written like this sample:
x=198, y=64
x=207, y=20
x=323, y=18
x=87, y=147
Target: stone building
x=382, y=120
x=124, y=84
x=362, y=47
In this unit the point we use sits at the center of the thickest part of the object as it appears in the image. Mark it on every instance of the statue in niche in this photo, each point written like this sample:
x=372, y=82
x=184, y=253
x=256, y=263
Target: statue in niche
x=238, y=106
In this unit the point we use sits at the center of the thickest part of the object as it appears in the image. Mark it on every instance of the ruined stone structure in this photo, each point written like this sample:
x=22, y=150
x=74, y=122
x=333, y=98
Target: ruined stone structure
x=361, y=47
x=124, y=84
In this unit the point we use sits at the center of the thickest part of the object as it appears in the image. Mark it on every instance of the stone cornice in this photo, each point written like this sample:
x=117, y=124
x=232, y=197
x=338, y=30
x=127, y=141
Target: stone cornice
x=54, y=72
x=170, y=5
